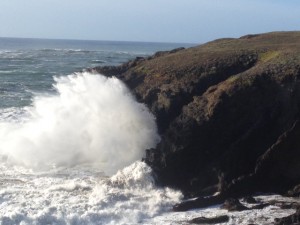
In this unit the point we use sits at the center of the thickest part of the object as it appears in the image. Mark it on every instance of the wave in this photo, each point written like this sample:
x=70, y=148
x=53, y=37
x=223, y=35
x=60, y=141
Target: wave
x=129, y=53
x=75, y=196
x=12, y=114
x=98, y=61
x=9, y=71
x=66, y=50
x=91, y=120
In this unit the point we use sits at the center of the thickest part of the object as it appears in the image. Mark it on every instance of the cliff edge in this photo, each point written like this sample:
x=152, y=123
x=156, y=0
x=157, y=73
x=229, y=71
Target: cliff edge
x=227, y=113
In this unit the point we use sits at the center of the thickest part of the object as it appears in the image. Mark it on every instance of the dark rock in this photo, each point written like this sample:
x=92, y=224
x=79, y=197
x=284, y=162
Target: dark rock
x=294, y=192
x=292, y=205
x=233, y=204
x=250, y=200
x=201, y=202
x=249, y=36
x=208, y=191
x=280, y=166
x=285, y=205
x=293, y=219
x=260, y=206
x=241, y=186
x=212, y=220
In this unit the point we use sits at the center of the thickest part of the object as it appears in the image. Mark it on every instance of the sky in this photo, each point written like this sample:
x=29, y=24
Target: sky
x=182, y=21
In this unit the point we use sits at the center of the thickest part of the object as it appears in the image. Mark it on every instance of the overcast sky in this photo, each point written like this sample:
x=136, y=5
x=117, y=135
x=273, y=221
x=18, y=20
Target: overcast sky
x=190, y=21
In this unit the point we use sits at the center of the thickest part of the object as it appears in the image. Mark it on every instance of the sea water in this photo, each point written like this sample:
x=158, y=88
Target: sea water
x=72, y=142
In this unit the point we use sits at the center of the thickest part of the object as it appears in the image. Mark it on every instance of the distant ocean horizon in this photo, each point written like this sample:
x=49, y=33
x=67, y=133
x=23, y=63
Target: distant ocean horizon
x=187, y=44
x=42, y=59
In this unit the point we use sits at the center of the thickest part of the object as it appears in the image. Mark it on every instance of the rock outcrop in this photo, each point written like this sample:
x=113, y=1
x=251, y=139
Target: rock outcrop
x=227, y=113
x=289, y=220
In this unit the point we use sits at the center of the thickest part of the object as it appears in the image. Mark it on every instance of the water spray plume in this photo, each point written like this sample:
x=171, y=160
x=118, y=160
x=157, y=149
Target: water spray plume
x=91, y=120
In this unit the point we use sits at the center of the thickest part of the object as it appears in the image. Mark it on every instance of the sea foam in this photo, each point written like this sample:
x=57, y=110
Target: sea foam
x=92, y=120
x=76, y=196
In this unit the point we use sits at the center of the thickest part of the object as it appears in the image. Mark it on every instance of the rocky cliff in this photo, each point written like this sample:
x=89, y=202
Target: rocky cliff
x=227, y=113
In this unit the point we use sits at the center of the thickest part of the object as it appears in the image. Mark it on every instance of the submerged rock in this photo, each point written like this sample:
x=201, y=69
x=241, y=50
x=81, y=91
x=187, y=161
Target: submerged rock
x=249, y=200
x=289, y=220
x=233, y=204
x=201, y=202
x=212, y=220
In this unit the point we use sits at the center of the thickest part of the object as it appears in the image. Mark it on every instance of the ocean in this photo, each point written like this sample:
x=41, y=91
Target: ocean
x=72, y=142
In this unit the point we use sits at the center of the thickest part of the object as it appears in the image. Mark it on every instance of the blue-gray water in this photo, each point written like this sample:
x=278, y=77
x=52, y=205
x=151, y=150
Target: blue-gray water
x=27, y=66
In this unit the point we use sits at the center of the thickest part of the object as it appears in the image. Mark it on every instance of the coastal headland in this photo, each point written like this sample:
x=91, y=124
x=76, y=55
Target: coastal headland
x=228, y=115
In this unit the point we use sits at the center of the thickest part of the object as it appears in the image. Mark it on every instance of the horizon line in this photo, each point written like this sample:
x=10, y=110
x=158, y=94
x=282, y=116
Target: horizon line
x=95, y=40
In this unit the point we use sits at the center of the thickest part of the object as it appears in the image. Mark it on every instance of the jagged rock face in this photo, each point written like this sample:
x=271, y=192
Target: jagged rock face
x=292, y=219
x=219, y=106
x=280, y=164
x=226, y=129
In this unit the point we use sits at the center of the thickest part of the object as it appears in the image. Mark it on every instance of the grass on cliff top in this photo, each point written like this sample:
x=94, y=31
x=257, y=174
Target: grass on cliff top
x=270, y=48
x=273, y=40
x=266, y=56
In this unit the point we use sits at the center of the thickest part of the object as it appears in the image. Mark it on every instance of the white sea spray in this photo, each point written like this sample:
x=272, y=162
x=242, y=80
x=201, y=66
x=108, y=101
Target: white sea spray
x=58, y=156
x=92, y=120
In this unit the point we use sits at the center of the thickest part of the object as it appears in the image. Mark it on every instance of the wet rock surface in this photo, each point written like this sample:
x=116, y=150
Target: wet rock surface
x=201, y=202
x=212, y=220
x=294, y=192
x=233, y=204
x=250, y=200
x=293, y=219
